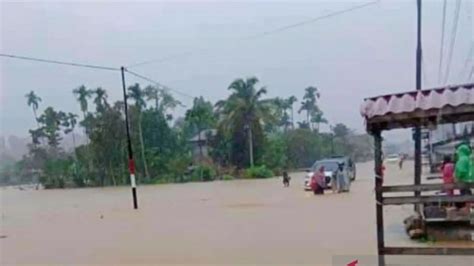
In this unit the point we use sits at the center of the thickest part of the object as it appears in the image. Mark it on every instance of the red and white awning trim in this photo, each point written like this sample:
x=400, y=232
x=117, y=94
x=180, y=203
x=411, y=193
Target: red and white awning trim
x=418, y=100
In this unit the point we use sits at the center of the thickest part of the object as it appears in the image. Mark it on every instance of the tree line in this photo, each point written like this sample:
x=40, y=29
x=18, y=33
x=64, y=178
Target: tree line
x=248, y=136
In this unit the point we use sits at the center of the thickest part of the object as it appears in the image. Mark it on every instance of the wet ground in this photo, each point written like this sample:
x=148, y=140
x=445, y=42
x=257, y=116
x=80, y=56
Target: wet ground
x=244, y=222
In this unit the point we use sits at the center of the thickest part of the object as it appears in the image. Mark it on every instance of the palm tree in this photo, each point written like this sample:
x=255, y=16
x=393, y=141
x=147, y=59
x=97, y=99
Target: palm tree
x=52, y=120
x=286, y=121
x=290, y=102
x=138, y=95
x=82, y=94
x=70, y=122
x=318, y=118
x=281, y=107
x=100, y=99
x=33, y=100
x=244, y=110
x=164, y=101
x=152, y=94
x=303, y=125
x=168, y=102
x=309, y=104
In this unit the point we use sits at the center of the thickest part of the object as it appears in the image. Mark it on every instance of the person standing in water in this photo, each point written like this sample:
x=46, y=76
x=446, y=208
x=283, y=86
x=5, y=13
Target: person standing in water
x=401, y=160
x=318, y=182
x=334, y=182
x=286, y=179
x=342, y=179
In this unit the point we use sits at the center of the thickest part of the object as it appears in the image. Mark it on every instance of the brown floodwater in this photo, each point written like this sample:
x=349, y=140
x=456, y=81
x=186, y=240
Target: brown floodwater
x=243, y=222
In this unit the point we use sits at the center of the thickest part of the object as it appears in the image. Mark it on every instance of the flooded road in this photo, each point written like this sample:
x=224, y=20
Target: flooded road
x=243, y=222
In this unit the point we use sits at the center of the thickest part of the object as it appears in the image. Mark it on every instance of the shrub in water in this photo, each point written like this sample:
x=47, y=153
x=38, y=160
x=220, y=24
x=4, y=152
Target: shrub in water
x=227, y=177
x=258, y=172
x=203, y=173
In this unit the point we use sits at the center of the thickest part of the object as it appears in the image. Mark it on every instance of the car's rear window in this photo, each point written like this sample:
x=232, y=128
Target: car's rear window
x=328, y=166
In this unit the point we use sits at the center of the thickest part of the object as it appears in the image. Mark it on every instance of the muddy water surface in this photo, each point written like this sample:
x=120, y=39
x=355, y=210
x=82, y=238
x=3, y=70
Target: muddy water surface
x=245, y=222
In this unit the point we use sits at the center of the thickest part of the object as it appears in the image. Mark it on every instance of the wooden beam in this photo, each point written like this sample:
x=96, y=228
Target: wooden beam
x=426, y=187
x=421, y=118
x=426, y=199
x=378, y=195
x=427, y=251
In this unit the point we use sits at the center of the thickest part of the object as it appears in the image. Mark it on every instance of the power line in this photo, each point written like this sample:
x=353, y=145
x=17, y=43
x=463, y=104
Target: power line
x=59, y=62
x=158, y=84
x=312, y=20
x=92, y=66
x=263, y=34
x=470, y=56
x=309, y=21
x=443, y=25
x=167, y=58
x=453, y=39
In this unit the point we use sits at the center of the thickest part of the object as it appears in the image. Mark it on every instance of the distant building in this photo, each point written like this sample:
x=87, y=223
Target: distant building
x=444, y=141
x=200, y=143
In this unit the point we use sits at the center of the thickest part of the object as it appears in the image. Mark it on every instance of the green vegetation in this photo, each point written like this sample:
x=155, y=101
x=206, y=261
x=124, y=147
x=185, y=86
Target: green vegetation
x=227, y=177
x=258, y=172
x=203, y=173
x=254, y=137
x=201, y=116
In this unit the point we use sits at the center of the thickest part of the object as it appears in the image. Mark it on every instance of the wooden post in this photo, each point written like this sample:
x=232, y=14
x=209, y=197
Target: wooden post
x=418, y=87
x=378, y=196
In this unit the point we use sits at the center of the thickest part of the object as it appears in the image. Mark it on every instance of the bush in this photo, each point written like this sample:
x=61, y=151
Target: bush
x=203, y=173
x=258, y=172
x=178, y=167
x=227, y=177
x=52, y=182
x=57, y=173
x=161, y=181
x=274, y=156
x=78, y=181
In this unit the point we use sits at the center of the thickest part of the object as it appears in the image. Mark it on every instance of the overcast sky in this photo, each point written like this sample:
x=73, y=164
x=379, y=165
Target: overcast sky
x=359, y=54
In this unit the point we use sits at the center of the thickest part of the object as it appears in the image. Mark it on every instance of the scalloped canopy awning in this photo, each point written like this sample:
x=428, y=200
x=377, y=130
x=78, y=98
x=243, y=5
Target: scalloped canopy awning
x=450, y=104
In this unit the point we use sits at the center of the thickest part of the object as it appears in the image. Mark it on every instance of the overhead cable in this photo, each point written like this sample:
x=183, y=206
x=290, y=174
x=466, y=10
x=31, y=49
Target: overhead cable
x=453, y=40
x=441, y=49
x=158, y=84
x=263, y=34
x=59, y=62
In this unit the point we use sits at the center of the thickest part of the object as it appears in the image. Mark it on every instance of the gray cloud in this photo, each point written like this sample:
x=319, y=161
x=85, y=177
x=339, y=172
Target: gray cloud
x=348, y=57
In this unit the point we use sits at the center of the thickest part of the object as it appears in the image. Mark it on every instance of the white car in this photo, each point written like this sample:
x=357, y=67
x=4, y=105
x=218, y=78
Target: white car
x=309, y=175
x=392, y=158
x=330, y=167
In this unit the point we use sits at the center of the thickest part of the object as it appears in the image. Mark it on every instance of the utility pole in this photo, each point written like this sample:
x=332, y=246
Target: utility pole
x=250, y=145
x=131, y=162
x=418, y=87
x=332, y=140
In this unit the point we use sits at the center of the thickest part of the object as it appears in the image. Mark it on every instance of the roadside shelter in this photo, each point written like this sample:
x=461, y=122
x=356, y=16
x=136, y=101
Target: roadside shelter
x=423, y=109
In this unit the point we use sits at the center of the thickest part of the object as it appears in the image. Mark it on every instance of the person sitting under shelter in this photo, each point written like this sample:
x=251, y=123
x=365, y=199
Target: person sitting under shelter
x=447, y=170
